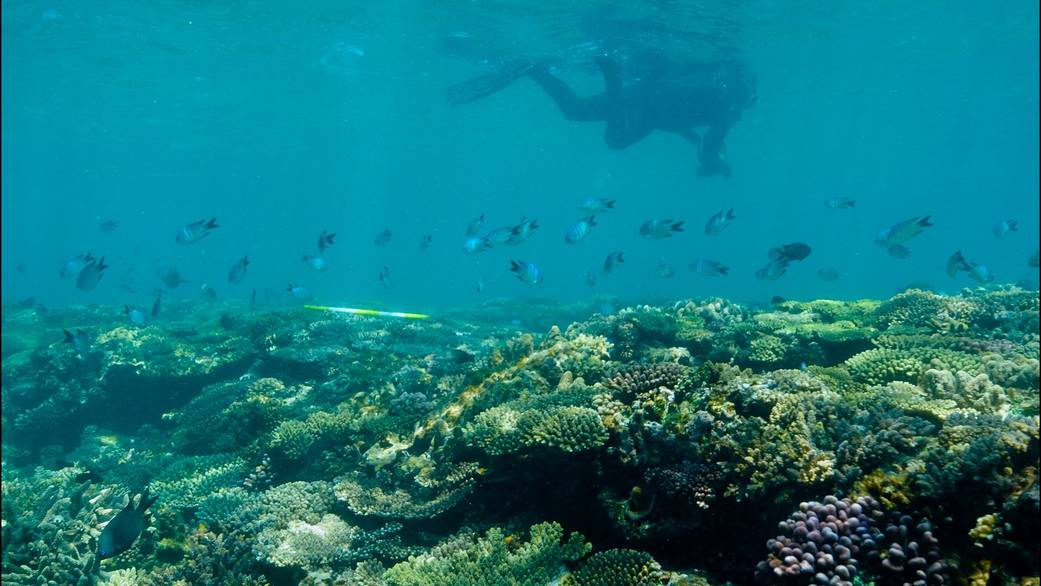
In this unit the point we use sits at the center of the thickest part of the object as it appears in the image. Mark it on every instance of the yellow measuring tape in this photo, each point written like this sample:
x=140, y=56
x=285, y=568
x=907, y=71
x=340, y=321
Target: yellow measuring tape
x=368, y=312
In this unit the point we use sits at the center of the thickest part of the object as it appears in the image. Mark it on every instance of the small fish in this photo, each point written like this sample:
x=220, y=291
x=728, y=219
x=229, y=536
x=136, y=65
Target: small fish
x=382, y=238
x=497, y=236
x=424, y=242
x=902, y=231
x=1002, y=228
x=476, y=244
x=316, y=262
x=20, y=268
x=975, y=271
x=898, y=251
x=136, y=316
x=597, y=205
x=196, y=231
x=253, y=300
x=590, y=278
x=325, y=240
x=719, y=221
x=80, y=341
x=88, y=475
x=172, y=279
x=522, y=231
x=385, y=278
x=612, y=261
x=579, y=230
x=481, y=284
x=528, y=272
x=790, y=252
x=74, y=265
x=828, y=274
x=1035, y=259
x=839, y=203
x=237, y=272
x=772, y=271
x=665, y=270
x=299, y=292
x=119, y=533
x=208, y=292
x=475, y=225
x=658, y=229
x=109, y=226
x=157, y=305
x=90, y=275
x=453, y=356
x=709, y=268
x=777, y=300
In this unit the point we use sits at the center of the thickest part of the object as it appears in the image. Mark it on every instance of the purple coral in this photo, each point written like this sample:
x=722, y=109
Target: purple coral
x=826, y=543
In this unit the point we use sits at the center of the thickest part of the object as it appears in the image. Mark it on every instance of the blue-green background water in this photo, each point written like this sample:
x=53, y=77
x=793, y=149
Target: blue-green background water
x=284, y=120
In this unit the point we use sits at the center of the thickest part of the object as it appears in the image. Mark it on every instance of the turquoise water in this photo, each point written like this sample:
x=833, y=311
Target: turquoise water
x=281, y=122
x=869, y=416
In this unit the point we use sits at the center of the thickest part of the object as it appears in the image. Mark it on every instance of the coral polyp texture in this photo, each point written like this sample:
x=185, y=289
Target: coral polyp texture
x=828, y=442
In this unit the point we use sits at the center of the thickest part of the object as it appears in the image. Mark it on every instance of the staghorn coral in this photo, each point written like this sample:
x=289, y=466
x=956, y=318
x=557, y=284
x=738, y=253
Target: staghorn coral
x=367, y=497
x=185, y=484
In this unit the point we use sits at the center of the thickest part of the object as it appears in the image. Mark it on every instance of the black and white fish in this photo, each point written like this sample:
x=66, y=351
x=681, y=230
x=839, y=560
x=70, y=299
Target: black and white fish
x=299, y=292
x=902, y=231
x=658, y=229
x=325, y=240
x=579, y=230
x=196, y=231
x=475, y=225
x=80, y=341
x=839, y=203
x=476, y=244
x=709, y=268
x=719, y=221
x=382, y=238
x=612, y=260
x=73, y=266
x=135, y=315
x=316, y=262
x=1002, y=228
x=597, y=205
x=528, y=272
x=89, y=275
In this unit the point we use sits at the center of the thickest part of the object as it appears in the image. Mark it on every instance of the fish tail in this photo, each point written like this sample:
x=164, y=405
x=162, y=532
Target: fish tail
x=1013, y=225
x=677, y=227
x=609, y=204
x=723, y=270
x=68, y=336
x=924, y=222
x=591, y=220
x=730, y=214
x=212, y=224
x=145, y=501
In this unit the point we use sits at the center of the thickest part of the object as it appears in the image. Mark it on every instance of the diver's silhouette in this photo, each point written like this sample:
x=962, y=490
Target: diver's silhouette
x=678, y=98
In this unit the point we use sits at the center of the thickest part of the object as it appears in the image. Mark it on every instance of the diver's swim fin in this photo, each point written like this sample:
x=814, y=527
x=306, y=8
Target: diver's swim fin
x=488, y=83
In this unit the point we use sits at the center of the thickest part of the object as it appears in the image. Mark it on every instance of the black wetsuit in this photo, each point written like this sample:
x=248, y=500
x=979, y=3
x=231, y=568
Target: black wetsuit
x=680, y=100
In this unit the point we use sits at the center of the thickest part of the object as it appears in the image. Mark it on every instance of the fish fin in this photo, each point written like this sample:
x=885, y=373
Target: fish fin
x=212, y=224
x=591, y=220
x=678, y=226
x=609, y=204
x=515, y=266
x=1013, y=225
x=730, y=214
x=68, y=336
x=924, y=222
x=101, y=264
x=620, y=259
x=489, y=83
x=723, y=270
x=145, y=501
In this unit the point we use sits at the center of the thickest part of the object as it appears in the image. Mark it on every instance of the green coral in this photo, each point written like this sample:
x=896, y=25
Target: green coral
x=879, y=366
x=505, y=430
x=617, y=567
x=191, y=479
x=493, y=560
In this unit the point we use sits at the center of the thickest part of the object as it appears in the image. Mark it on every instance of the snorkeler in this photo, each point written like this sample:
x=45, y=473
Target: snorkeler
x=676, y=98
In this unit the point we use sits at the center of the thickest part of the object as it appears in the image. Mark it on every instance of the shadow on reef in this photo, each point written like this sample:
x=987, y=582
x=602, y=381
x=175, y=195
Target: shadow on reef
x=702, y=442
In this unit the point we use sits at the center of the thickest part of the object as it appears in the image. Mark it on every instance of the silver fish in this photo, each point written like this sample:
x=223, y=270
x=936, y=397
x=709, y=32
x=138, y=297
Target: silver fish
x=196, y=231
x=325, y=240
x=597, y=205
x=528, y=272
x=475, y=225
x=658, y=229
x=839, y=203
x=902, y=231
x=709, y=268
x=237, y=272
x=316, y=262
x=1002, y=228
x=476, y=244
x=299, y=292
x=136, y=316
x=719, y=221
x=579, y=230
x=382, y=238
x=90, y=275
x=74, y=265
x=612, y=261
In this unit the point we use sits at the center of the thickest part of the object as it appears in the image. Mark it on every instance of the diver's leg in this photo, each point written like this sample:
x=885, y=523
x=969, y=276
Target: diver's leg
x=573, y=107
x=623, y=127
